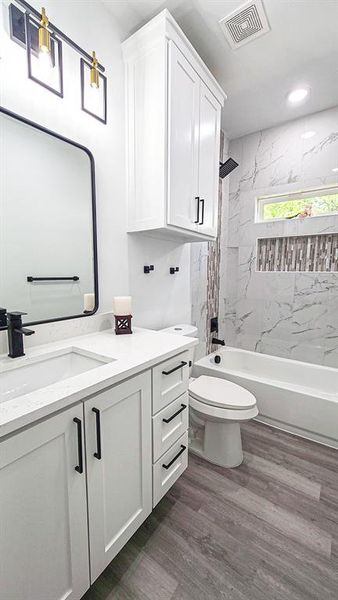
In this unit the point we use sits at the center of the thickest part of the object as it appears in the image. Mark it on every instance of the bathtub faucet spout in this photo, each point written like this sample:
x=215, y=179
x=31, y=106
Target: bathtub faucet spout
x=218, y=342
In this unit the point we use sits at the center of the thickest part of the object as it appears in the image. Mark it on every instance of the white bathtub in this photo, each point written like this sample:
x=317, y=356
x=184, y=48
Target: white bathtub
x=295, y=396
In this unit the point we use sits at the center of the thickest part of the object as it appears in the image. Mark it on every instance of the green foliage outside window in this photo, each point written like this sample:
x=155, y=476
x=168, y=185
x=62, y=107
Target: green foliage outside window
x=315, y=205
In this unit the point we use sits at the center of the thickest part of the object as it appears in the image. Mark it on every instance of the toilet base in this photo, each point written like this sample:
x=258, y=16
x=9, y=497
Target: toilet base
x=222, y=444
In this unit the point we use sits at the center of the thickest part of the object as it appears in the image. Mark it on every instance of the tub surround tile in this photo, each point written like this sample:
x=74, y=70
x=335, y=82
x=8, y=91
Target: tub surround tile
x=293, y=315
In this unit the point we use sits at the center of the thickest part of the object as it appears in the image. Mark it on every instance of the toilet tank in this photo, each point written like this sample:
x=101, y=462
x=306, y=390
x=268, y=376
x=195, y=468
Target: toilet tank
x=183, y=329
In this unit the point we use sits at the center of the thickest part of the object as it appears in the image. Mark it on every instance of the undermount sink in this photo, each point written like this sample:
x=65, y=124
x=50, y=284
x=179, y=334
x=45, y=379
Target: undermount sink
x=35, y=373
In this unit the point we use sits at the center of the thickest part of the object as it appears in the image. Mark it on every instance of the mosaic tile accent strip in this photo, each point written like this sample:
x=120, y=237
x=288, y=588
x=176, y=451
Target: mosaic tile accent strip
x=213, y=269
x=307, y=253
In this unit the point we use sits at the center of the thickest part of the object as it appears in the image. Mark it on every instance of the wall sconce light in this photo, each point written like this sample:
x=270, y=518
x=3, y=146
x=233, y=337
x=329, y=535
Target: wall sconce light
x=93, y=95
x=43, y=43
x=44, y=62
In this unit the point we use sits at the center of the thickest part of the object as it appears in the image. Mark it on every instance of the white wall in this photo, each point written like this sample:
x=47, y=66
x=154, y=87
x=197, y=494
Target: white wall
x=90, y=25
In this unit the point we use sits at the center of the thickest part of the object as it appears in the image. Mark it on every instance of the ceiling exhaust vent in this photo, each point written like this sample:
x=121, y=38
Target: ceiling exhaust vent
x=245, y=24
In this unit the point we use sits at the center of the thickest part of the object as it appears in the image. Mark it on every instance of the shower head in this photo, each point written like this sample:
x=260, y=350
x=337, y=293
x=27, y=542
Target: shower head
x=226, y=167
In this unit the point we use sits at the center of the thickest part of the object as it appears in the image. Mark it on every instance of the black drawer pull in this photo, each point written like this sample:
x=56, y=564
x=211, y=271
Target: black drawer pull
x=202, y=220
x=183, y=363
x=98, y=453
x=198, y=209
x=183, y=406
x=79, y=467
x=175, y=457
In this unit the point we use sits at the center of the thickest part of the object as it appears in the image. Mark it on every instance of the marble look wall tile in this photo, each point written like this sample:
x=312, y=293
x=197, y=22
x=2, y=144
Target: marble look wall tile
x=293, y=315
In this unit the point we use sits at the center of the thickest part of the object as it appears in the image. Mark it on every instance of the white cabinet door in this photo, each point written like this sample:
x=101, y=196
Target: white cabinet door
x=43, y=512
x=119, y=464
x=209, y=142
x=183, y=122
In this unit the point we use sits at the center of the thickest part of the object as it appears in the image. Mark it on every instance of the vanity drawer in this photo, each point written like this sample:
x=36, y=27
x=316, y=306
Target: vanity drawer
x=170, y=380
x=169, y=424
x=169, y=468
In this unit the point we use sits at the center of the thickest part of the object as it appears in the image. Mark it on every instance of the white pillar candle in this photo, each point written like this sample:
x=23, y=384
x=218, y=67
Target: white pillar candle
x=122, y=305
x=89, y=302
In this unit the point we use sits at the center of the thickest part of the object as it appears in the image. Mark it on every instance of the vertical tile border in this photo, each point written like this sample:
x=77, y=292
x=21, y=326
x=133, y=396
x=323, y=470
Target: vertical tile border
x=213, y=268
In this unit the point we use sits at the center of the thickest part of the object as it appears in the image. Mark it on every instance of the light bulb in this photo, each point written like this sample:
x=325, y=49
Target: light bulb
x=308, y=134
x=45, y=61
x=298, y=95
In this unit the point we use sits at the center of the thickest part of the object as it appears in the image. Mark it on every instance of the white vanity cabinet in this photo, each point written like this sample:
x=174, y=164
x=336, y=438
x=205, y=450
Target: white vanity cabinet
x=173, y=134
x=119, y=472
x=76, y=486
x=43, y=511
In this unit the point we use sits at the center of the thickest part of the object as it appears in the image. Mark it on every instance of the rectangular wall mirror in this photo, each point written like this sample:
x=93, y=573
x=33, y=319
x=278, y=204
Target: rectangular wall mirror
x=48, y=257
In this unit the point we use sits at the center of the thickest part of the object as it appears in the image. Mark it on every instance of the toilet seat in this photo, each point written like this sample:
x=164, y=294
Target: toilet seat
x=221, y=394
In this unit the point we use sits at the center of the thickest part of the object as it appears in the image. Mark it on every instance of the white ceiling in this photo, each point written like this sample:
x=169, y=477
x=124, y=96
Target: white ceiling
x=301, y=49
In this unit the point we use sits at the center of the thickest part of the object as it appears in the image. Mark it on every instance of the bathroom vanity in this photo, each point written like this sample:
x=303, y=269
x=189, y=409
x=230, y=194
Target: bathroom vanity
x=93, y=432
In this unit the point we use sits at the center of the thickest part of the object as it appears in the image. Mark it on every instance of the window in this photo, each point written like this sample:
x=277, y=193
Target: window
x=298, y=205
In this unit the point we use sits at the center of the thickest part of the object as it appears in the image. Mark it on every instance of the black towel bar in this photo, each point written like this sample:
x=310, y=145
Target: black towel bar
x=74, y=278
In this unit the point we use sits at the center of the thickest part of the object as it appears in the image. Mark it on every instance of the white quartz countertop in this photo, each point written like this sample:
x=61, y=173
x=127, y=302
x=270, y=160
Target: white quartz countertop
x=131, y=353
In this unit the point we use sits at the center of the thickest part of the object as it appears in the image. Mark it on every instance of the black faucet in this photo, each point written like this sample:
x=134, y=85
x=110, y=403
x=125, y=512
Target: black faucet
x=218, y=342
x=3, y=317
x=16, y=333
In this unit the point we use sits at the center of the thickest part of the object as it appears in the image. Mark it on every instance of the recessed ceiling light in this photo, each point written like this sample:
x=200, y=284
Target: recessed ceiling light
x=298, y=95
x=335, y=170
x=308, y=134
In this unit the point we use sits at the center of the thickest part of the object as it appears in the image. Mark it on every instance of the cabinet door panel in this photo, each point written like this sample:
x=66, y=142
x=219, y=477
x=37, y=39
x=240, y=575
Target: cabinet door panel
x=183, y=108
x=43, y=513
x=209, y=142
x=120, y=483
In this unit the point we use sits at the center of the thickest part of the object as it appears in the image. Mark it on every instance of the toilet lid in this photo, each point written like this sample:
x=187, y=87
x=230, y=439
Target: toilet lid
x=222, y=393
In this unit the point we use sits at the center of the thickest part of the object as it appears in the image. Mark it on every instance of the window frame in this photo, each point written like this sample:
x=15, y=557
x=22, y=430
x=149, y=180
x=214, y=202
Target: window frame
x=262, y=201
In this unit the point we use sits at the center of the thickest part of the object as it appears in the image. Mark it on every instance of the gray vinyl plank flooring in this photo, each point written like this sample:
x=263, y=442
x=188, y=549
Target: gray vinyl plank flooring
x=267, y=530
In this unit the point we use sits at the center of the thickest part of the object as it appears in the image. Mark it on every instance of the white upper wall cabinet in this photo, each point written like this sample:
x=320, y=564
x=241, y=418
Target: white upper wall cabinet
x=173, y=134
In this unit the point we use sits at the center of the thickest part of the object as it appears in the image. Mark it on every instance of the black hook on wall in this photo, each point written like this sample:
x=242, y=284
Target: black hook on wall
x=173, y=270
x=148, y=268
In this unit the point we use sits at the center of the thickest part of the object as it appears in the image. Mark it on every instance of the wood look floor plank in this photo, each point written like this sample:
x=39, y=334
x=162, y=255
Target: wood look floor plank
x=278, y=473
x=263, y=540
x=288, y=522
x=267, y=530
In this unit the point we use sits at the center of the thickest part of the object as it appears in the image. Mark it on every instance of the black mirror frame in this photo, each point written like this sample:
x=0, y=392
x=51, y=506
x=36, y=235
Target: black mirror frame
x=9, y=113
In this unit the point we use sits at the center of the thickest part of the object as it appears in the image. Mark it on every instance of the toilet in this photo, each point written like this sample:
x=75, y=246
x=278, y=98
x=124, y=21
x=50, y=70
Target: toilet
x=217, y=408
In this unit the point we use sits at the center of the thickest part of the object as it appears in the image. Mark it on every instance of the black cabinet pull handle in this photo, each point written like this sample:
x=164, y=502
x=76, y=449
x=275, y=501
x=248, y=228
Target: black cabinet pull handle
x=98, y=453
x=183, y=406
x=79, y=467
x=175, y=457
x=183, y=363
x=198, y=209
x=202, y=220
